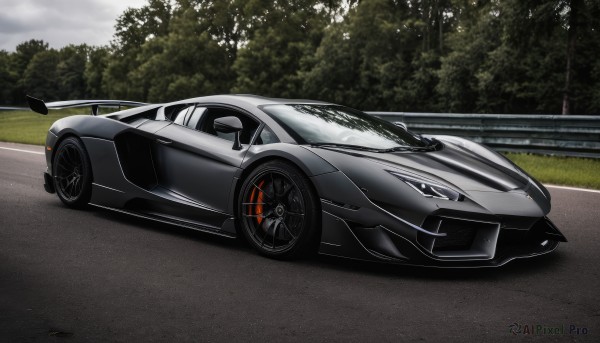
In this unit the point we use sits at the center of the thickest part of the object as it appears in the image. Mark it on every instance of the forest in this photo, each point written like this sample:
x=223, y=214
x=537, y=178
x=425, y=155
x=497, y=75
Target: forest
x=448, y=56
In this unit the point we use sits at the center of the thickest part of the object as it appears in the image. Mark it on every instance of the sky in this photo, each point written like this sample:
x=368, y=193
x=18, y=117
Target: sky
x=60, y=22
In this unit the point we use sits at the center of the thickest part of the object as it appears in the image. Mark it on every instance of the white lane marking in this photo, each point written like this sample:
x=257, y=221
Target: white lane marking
x=574, y=189
x=21, y=150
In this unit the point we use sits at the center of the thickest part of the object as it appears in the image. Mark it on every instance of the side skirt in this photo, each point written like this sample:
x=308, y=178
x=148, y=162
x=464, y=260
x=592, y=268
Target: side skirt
x=172, y=221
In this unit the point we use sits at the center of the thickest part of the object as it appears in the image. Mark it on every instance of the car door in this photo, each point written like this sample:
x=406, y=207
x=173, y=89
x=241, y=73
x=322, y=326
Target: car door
x=197, y=163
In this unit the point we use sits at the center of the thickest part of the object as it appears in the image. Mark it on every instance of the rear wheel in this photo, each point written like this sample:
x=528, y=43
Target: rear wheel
x=278, y=210
x=72, y=173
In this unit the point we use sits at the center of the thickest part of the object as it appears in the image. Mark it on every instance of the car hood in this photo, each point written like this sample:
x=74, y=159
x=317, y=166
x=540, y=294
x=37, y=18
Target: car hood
x=483, y=176
x=455, y=165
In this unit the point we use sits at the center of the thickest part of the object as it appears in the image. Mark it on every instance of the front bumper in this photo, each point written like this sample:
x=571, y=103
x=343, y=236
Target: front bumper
x=467, y=243
x=384, y=222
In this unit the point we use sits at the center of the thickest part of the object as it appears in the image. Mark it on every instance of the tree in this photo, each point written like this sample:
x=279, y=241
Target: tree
x=94, y=70
x=19, y=62
x=39, y=79
x=231, y=24
x=289, y=33
x=589, y=71
x=475, y=36
x=136, y=25
x=70, y=72
x=374, y=59
x=519, y=66
x=582, y=46
x=25, y=53
x=185, y=63
x=7, y=81
x=134, y=28
x=481, y=56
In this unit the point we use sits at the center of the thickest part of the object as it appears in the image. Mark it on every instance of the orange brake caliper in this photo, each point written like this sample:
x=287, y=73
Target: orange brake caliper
x=258, y=207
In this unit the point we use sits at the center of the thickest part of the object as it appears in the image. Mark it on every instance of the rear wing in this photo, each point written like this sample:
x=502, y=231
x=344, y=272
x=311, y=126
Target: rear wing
x=39, y=106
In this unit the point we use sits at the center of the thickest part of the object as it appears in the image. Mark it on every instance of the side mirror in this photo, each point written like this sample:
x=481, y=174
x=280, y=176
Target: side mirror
x=230, y=125
x=401, y=124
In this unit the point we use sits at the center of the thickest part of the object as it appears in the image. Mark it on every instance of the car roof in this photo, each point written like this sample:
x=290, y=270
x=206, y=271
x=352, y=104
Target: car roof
x=249, y=99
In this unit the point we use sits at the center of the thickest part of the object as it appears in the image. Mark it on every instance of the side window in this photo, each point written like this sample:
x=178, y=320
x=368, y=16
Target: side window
x=179, y=117
x=208, y=119
x=266, y=137
x=194, y=120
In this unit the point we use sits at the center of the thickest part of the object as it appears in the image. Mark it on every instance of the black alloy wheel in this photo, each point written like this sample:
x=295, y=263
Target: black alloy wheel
x=72, y=173
x=278, y=210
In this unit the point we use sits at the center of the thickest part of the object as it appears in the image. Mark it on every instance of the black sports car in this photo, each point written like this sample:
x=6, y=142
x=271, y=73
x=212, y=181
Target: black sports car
x=296, y=175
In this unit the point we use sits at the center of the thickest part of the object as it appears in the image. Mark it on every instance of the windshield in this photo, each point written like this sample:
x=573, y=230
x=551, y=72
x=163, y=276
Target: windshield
x=337, y=125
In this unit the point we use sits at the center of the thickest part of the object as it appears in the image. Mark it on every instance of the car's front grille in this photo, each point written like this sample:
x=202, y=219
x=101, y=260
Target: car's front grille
x=465, y=238
x=458, y=237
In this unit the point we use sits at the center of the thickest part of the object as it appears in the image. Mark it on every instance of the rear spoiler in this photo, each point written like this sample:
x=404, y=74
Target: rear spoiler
x=39, y=106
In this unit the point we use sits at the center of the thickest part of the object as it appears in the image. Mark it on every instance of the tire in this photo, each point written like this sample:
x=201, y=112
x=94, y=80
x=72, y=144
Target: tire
x=278, y=211
x=72, y=173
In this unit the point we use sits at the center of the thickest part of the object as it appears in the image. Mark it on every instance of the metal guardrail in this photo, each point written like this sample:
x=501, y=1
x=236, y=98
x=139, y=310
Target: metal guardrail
x=11, y=108
x=537, y=134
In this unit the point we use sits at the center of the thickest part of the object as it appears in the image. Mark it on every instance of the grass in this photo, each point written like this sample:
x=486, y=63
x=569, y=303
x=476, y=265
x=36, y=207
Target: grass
x=31, y=128
x=566, y=171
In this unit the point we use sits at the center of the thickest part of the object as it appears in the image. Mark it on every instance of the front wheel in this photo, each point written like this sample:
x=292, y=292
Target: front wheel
x=278, y=210
x=72, y=173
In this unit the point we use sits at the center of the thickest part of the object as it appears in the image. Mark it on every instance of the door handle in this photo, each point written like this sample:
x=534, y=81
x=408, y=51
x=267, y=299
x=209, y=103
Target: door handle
x=165, y=142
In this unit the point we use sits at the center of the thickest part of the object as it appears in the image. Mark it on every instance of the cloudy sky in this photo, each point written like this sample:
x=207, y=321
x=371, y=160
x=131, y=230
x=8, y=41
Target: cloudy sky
x=60, y=22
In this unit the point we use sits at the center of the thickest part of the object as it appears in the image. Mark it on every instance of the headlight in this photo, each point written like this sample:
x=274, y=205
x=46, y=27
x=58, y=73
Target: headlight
x=429, y=189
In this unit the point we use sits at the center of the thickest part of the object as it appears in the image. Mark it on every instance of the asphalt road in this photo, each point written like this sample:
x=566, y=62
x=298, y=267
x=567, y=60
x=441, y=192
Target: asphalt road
x=96, y=276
